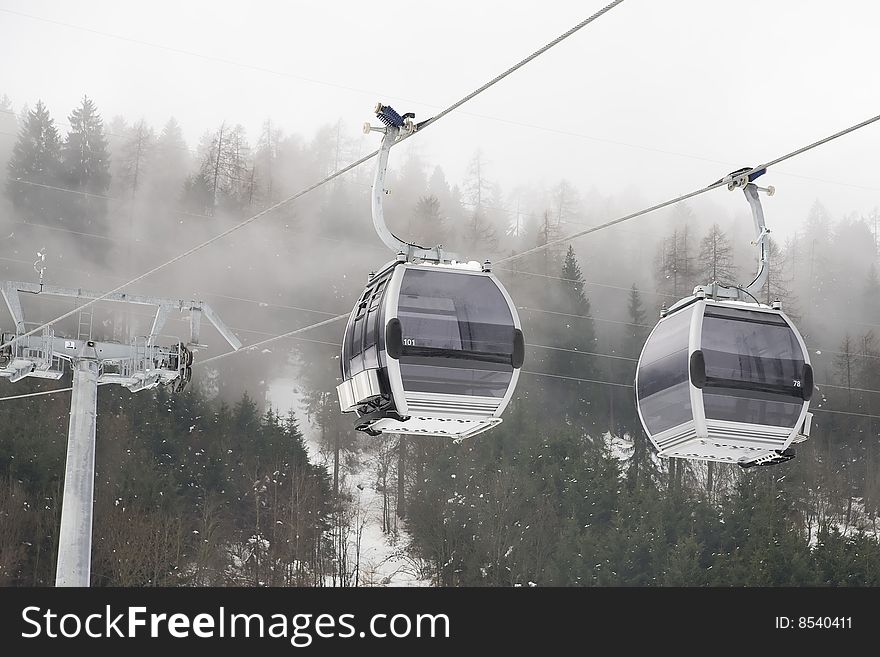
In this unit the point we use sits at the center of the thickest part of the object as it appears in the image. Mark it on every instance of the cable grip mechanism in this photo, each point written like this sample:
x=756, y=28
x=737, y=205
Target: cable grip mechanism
x=404, y=124
x=741, y=177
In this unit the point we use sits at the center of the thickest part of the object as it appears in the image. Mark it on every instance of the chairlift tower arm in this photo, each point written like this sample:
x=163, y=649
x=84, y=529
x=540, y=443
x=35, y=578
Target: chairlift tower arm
x=140, y=365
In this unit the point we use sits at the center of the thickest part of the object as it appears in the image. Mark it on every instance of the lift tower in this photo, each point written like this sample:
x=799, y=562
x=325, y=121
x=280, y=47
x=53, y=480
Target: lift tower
x=144, y=363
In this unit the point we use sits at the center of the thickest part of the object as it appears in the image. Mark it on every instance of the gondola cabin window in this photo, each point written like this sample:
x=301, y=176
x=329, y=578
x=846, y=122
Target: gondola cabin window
x=458, y=334
x=754, y=367
x=663, y=384
x=362, y=342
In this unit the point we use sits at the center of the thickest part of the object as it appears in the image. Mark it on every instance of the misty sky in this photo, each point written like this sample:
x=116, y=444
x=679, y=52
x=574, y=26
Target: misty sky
x=652, y=100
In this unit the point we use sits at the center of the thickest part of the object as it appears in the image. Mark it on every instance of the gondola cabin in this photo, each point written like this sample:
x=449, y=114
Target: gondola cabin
x=431, y=349
x=725, y=381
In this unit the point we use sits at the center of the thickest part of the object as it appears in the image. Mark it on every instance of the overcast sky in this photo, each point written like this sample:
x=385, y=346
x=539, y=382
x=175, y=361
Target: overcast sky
x=661, y=97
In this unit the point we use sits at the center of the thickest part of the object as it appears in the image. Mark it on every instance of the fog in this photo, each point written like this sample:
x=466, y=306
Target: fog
x=132, y=133
x=659, y=98
x=647, y=103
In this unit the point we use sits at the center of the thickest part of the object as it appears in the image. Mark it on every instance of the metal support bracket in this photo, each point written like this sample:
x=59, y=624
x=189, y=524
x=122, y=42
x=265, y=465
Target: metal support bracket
x=397, y=127
x=195, y=326
x=13, y=302
x=12, y=290
x=218, y=324
x=742, y=179
x=139, y=365
x=162, y=313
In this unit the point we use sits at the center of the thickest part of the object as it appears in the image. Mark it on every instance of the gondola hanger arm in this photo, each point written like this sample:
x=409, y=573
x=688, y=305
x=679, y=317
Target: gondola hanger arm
x=744, y=179
x=396, y=128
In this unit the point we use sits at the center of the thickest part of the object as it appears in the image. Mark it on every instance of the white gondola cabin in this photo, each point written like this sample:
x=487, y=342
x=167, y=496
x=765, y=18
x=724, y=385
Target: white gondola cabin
x=434, y=346
x=723, y=377
x=431, y=350
x=725, y=381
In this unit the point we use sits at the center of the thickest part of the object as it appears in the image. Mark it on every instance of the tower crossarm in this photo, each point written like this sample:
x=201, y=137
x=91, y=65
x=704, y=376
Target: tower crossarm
x=137, y=366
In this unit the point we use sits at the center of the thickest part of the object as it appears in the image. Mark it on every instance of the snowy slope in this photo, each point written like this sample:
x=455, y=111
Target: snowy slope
x=384, y=560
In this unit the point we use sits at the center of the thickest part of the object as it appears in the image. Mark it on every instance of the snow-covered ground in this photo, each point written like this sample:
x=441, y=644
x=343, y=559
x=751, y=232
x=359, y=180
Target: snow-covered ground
x=859, y=522
x=619, y=447
x=384, y=559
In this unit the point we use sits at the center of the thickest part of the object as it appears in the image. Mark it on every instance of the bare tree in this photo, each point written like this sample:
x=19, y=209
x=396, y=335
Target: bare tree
x=674, y=262
x=136, y=152
x=715, y=259
x=401, y=476
x=845, y=365
x=384, y=462
x=479, y=232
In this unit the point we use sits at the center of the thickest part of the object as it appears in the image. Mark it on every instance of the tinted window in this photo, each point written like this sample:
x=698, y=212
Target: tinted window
x=663, y=388
x=664, y=373
x=374, y=328
x=457, y=334
x=667, y=408
x=742, y=406
x=454, y=311
x=347, y=348
x=430, y=322
x=452, y=376
x=670, y=335
x=747, y=349
x=359, y=346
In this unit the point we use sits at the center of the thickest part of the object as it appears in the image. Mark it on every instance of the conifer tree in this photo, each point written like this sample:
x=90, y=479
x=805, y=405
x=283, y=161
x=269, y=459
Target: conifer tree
x=871, y=296
x=811, y=267
x=427, y=221
x=84, y=156
x=576, y=302
x=85, y=164
x=8, y=129
x=637, y=329
x=268, y=152
x=35, y=167
x=641, y=464
x=167, y=180
x=574, y=330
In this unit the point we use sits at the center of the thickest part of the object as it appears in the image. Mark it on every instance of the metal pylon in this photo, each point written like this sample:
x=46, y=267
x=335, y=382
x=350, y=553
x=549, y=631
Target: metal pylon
x=75, y=537
x=138, y=364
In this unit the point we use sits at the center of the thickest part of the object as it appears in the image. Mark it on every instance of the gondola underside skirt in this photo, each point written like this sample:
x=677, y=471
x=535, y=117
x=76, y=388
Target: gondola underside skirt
x=432, y=414
x=457, y=428
x=727, y=442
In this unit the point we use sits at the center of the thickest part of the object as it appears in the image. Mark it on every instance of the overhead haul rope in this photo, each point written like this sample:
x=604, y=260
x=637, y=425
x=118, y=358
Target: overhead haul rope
x=37, y=394
x=335, y=317
x=506, y=259
x=528, y=372
x=272, y=304
x=422, y=126
x=326, y=179
x=43, y=392
x=289, y=334
x=697, y=192
x=293, y=334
